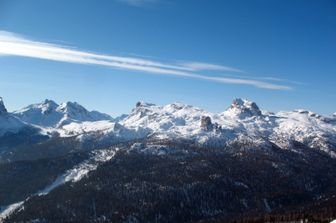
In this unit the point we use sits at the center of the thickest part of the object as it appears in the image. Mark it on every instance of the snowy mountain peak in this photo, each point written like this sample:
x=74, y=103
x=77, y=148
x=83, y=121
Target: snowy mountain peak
x=143, y=108
x=71, y=108
x=3, y=109
x=245, y=104
x=49, y=114
x=72, y=111
x=48, y=106
x=143, y=104
x=243, y=108
x=50, y=102
x=177, y=106
x=45, y=107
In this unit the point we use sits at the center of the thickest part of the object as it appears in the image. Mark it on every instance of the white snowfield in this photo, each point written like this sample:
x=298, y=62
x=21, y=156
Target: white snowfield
x=242, y=120
x=81, y=170
x=75, y=128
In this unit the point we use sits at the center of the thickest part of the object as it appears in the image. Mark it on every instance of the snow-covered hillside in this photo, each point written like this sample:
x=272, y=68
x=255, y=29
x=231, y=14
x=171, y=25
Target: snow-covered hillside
x=306, y=127
x=8, y=123
x=72, y=175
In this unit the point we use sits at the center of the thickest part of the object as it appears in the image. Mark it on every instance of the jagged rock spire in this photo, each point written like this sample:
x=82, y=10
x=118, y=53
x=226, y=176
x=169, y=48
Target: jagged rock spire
x=244, y=108
x=3, y=109
x=206, y=123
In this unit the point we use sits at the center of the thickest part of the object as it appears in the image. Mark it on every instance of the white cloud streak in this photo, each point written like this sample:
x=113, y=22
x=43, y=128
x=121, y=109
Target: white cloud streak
x=14, y=45
x=265, y=78
x=196, y=66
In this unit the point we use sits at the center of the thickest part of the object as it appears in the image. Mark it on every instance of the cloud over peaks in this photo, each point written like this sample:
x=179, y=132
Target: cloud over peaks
x=15, y=45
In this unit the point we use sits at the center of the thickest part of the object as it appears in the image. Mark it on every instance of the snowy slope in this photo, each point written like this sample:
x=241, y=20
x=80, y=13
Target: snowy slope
x=50, y=114
x=72, y=175
x=8, y=123
x=306, y=127
x=81, y=170
x=103, y=128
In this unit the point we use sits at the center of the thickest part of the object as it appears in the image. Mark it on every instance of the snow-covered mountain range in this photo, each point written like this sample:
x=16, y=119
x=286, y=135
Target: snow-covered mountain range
x=175, y=151
x=242, y=120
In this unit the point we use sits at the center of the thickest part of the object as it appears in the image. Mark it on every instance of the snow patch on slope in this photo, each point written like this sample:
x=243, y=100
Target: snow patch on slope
x=81, y=170
x=73, y=175
x=86, y=127
x=8, y=210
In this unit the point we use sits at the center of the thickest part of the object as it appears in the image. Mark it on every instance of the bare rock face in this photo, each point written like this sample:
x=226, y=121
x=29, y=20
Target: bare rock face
x=217, y=128
x=244, y=108
x=143, y=104
x=206, y=123
x=3, y=109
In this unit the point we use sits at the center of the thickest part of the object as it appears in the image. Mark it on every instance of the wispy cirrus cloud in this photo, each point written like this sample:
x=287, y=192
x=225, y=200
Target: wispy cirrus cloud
x=15, y=45
x=196, y=66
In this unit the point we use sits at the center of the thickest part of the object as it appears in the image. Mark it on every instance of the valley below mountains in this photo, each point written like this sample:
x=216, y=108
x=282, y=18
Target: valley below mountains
x=170, y=163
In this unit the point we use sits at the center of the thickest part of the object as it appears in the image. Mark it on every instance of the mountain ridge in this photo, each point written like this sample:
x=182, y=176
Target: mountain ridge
x=243, y=119
x=50, y=114
x=204, y=165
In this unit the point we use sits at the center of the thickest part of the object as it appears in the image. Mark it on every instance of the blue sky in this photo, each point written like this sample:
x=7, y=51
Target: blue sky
x=109, y=54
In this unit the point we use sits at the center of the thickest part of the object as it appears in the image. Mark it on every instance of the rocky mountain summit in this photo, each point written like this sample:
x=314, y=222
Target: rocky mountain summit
x=9, y=123
x=50, y=114
x=3, y=109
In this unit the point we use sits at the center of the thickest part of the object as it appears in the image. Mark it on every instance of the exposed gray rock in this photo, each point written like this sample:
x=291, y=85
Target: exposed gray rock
x=3, y=109
x=206, y=123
